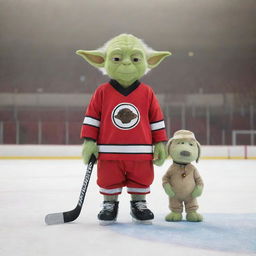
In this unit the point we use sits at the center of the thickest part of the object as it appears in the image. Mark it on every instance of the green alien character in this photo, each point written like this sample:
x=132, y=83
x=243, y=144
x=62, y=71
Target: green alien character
x=124, y=126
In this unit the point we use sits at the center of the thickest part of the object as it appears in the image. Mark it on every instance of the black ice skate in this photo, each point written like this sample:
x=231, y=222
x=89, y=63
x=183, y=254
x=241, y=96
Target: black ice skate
x=140, y=212
x=108, y=213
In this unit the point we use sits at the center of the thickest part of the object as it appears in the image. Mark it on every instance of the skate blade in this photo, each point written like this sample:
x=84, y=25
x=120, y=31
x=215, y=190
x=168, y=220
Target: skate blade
x=144, y=222
x=106, y=222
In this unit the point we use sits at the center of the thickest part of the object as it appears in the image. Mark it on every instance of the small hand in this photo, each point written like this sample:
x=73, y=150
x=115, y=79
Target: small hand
x=159, y=154
x=198, y=190
x=89, y=147
x=168, y=190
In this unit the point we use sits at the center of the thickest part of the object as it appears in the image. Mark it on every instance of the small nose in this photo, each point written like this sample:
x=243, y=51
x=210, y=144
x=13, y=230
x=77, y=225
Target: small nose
x=185, y=153
x=126, y=61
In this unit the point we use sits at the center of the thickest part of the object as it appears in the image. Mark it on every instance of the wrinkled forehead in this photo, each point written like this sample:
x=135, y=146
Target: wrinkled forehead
x=125, y=44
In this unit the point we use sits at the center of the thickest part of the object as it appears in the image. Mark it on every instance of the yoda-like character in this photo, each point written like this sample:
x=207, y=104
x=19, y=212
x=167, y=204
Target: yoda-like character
x=123, y=125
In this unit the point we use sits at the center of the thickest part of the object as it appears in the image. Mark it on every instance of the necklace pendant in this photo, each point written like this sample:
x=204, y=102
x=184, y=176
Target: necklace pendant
x=183, y=175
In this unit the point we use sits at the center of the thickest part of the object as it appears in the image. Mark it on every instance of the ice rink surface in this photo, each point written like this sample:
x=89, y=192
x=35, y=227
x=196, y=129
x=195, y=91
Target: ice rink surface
x=30, y=189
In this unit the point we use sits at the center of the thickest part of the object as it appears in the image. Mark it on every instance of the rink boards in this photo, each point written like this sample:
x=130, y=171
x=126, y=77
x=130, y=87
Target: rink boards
x=74, y=152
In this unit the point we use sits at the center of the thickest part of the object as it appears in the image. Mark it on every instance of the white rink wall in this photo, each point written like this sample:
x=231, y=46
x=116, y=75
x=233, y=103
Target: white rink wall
x=229, y=152
x=74, y=152
x=40, y=151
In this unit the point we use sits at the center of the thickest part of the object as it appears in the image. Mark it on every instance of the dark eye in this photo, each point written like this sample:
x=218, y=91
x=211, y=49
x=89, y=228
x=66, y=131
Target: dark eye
x=182, y=142
x=116, y=59
x=136, y=59
x=190, y=144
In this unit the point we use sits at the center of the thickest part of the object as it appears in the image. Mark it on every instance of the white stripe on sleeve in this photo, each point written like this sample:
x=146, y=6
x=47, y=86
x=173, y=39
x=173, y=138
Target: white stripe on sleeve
x=91, y=121
x=157, y=126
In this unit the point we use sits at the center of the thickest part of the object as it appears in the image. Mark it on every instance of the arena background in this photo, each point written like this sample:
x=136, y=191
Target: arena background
x=208, y=85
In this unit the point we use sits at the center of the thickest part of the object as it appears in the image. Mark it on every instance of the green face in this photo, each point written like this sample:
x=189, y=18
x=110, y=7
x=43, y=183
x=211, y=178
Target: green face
x=125, y=58
x=184, y=151
x=125, y=61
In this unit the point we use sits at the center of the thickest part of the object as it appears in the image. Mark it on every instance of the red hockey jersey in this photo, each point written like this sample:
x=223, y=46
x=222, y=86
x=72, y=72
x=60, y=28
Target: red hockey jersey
x=125, y=122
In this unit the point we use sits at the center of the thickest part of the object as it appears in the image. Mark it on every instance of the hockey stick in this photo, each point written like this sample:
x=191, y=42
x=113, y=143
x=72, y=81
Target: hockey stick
x=63, y=217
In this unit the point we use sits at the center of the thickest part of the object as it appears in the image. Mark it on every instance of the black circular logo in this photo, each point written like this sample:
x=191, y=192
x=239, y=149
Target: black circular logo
x=125, y=116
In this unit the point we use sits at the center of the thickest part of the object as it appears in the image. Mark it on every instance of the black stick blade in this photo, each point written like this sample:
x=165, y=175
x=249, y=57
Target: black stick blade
x=62, y=217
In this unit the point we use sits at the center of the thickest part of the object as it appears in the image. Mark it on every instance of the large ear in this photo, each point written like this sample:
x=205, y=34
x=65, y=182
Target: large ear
x=168, y=147
x=155, y=58
x=95, y=58
x=199, y=151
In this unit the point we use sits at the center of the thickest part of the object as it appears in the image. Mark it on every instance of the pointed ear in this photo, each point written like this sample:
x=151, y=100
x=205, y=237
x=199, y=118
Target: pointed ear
x=95, y=58
x=199, y=151
x=156, y=57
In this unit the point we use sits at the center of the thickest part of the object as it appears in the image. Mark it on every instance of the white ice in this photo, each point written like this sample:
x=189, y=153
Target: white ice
x=30, y=189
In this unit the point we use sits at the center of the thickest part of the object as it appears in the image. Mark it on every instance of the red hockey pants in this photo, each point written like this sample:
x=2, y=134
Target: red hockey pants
x=113, y=175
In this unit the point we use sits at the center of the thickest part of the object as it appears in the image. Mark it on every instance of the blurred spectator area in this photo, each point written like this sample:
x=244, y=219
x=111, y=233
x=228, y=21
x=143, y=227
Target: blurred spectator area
x=41, y=118
x=208, y=85
x=206, y=71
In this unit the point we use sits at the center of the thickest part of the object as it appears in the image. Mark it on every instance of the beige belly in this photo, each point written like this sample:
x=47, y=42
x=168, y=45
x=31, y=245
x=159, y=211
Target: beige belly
x=183, y=187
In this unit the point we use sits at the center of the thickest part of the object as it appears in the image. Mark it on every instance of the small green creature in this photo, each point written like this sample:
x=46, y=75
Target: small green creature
x=182, y=182
x=122, y=123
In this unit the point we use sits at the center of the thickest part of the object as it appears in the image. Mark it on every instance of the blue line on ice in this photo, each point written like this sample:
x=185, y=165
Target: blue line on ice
x=220, y=232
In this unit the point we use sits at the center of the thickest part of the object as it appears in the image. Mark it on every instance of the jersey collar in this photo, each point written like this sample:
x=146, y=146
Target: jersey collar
x=121, y=89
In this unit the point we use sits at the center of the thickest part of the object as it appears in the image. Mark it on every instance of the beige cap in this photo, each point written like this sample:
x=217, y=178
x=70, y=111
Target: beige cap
x=183, y=134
